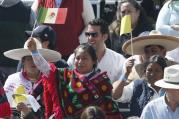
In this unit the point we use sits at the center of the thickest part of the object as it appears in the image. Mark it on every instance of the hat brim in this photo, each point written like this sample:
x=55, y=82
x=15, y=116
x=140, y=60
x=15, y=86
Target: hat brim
x=139, y=43
x=18, y=54
x=161, y=83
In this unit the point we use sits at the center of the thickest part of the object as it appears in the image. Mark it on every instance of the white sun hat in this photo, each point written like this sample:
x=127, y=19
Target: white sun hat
x=170, y=79
x=18, y=54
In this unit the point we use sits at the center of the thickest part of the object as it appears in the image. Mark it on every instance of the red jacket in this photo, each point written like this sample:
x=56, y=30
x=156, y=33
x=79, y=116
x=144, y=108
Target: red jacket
x=5, y=110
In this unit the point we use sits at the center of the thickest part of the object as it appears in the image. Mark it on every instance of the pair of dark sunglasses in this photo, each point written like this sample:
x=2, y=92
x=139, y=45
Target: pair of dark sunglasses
x=92, y=34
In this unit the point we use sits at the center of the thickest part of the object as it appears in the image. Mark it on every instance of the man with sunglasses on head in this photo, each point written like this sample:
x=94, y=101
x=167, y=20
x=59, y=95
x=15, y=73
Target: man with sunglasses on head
x=108, y=60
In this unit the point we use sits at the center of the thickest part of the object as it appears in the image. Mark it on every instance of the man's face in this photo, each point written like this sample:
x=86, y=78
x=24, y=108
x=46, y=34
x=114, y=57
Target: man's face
x=154, y=50
x=94, y=36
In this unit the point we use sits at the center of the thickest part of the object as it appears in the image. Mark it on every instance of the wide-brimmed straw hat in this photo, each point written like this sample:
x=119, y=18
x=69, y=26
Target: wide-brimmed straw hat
x=18, y=54
x=154, y=38
x=170, y=79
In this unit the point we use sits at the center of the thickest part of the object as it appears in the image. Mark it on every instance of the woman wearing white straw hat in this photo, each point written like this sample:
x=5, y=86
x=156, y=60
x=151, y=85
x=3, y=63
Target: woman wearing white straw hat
x=29, y=75
x=167, y=106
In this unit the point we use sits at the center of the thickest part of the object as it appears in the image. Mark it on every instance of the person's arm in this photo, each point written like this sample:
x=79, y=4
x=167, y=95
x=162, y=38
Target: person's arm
x=121, y=92
x=163, y=21
x=39, y=61
x=88, y=15
x=175, y=27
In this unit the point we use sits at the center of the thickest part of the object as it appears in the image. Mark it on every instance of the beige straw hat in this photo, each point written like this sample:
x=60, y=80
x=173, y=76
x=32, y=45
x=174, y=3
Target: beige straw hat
x=18, y=54
x=154, y=38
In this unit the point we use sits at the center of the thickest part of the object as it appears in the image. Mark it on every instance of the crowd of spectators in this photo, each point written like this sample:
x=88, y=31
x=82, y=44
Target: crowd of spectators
x=85, y=68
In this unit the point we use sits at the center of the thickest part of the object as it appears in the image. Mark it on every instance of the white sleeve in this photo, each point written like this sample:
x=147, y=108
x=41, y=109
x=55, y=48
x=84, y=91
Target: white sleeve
x=127, y=93
x=41, y=63
x=88, y=15
x=9, y=89
x=163, y=21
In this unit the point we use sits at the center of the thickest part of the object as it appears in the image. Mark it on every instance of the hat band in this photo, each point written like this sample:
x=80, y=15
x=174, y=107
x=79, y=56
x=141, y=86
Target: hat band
x=172, y=82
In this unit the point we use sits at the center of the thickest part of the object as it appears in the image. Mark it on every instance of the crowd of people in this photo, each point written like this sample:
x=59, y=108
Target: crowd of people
x=66, y=71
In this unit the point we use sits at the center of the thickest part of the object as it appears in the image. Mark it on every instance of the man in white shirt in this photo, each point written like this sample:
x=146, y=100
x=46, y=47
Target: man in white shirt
x=108, y=60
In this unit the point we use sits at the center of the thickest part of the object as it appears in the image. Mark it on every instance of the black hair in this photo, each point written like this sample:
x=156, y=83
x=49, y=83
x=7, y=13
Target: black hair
x=51, y=39
x=157, y=59
x=100, y=22
x=90, y=49
x=93, y=112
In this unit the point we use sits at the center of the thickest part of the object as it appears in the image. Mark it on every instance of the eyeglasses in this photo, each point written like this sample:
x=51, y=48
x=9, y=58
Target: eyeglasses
x=92, y=34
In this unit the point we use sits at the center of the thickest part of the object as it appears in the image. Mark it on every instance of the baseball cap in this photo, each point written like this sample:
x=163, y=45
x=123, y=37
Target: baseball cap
x=44, y=32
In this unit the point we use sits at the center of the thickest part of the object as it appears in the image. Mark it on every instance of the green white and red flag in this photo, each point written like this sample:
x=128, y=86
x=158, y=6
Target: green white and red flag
x=52, y=15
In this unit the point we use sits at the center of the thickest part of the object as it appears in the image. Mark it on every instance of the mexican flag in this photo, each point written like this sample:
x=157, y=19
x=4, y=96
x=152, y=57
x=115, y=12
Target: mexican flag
x=52, y=15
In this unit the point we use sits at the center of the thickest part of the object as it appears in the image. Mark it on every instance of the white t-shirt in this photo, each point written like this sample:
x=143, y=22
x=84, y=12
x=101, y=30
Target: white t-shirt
x=13, y=81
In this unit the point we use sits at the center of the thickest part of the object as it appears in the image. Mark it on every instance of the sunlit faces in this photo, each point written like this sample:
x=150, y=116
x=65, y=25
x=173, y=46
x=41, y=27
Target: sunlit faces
x=154, y=50
x=94, y=35
x=28, y=64
x=154, y=72
x=83, y=61
x=128, y=9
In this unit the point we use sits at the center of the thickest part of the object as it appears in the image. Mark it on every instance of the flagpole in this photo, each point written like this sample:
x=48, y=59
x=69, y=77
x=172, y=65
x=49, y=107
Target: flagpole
x=33, y=28
x=132, y=51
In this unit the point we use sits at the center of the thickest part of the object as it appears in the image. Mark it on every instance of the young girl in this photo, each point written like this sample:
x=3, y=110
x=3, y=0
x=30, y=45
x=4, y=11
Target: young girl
x=68, y=91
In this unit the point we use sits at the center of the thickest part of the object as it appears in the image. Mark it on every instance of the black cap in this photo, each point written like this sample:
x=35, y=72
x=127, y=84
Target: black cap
x=44, y=32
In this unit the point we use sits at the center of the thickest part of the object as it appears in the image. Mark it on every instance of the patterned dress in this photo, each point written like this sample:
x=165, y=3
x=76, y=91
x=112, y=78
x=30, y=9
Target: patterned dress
x=76, y=92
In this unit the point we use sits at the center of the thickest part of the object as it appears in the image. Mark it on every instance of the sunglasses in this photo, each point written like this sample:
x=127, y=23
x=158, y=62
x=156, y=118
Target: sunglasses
x=92, y=34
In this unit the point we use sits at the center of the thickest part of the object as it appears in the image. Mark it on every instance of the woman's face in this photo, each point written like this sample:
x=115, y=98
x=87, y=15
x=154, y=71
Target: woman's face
x=128, y=9
x=29, y=65
x=83, y=61
x=154, y=72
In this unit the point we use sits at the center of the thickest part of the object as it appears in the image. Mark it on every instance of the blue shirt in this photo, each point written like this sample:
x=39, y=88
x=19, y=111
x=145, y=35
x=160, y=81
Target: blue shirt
x=158, y=109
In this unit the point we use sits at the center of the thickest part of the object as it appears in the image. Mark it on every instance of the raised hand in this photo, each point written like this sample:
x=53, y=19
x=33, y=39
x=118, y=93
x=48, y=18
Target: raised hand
x=31, y=44
x=129, y=65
